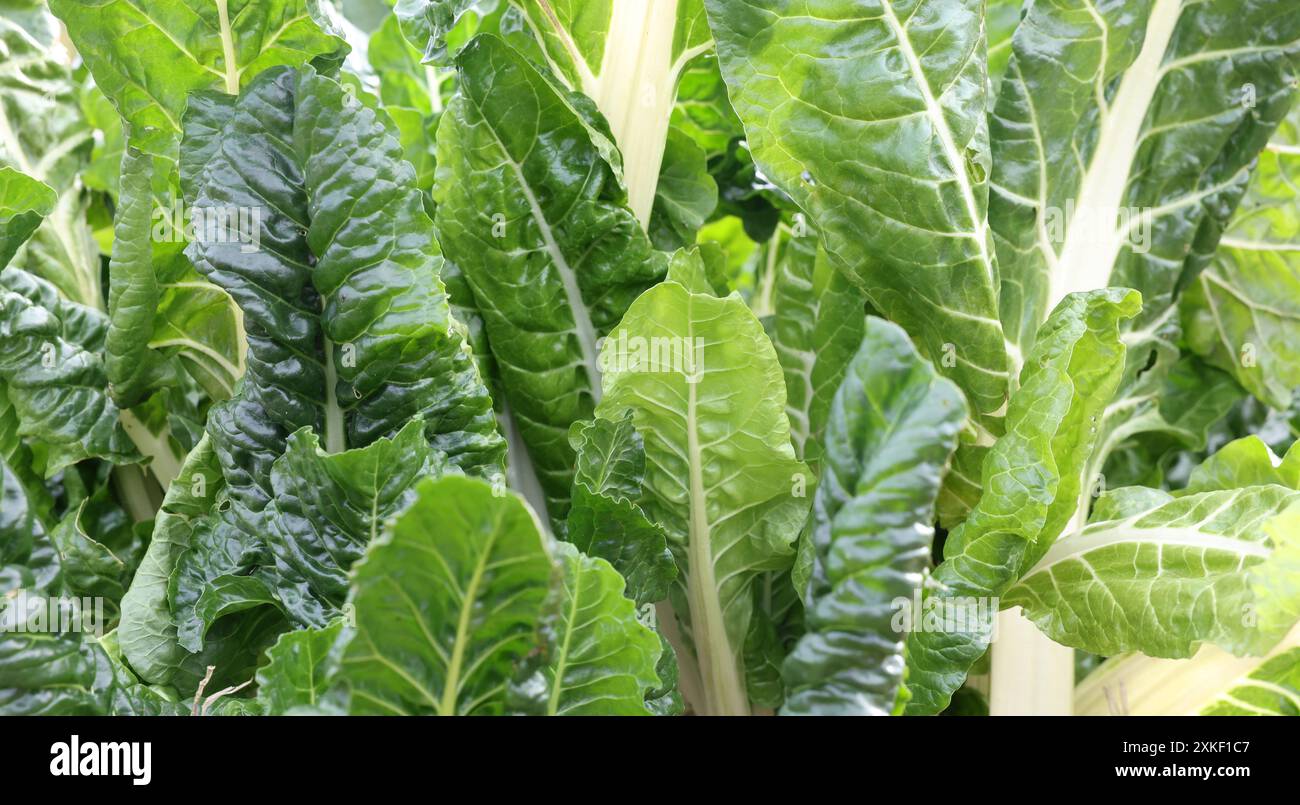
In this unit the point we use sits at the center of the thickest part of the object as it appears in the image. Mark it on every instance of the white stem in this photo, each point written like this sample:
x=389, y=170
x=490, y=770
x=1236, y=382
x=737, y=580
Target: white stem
x=1138, y=685
x=724, y=685
x=335, y=438
x=635, y=89
x=1095, y=237
x=521, y=475
x=1031, y=675
x=132, y=488
x=163, y=463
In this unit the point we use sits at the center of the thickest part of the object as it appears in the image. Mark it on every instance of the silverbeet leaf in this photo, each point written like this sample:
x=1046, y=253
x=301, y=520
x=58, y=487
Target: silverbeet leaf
x=531, y=211
x=892, y=427
x=1033, y=479
x=351, y=346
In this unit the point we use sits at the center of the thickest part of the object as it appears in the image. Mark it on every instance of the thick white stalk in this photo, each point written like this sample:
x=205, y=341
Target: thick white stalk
x=1095, y=236
x=163, y=463
x=635, y=89
x=1031, y=675
x=724, y=686
x=1138, y=685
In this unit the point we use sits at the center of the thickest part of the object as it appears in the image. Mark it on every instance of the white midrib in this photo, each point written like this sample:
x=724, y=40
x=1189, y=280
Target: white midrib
x=335, y=440
x=635, y=91
x=955, y=161
x=1077, y=546
x=1093, y=242
x=724, y=688
x=228, y=48
x=582, y=325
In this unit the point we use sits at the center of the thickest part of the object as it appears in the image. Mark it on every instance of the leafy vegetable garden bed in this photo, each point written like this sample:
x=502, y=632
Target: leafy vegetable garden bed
x=629, y=357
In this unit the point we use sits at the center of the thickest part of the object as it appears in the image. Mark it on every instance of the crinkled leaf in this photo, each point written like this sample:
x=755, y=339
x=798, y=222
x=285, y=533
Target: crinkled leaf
x=536, y=220
x=1033, y=478
x=606, y=520
x=908, y=225
x=596, y=657
x=892, y=427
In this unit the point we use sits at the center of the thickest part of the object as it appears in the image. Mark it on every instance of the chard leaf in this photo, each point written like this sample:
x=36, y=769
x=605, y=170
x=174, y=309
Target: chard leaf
x=1149, y=118
x=54, y=376
x=596, y=658
x=907, y=225
x=48, y=140
x=88, y=568
x=685, y=196
x=24, y=201
x=53, y=675
x=147, y=633
x=1001, y=18
x=1243, y=311
x=447, y=601
x=349, y=334
x=148, y=59
x=299, y=670
x=1243, y=463
x=133, y=296
x=328, y=507
x=1123, y=138
x=721, y=475
x=606, y=520
x=535, y=218
x=891, y=428
x=1271, y=689
x=1033, y=479
x=703, y=111
x=1161, y=575
x=820, y=320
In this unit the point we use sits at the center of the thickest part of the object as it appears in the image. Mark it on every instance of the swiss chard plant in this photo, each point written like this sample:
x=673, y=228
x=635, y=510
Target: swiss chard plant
x=649, y=357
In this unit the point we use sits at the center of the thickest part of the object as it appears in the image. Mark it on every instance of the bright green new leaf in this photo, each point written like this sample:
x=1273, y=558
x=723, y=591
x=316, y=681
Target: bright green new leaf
x=721, y=475
x=447, y=602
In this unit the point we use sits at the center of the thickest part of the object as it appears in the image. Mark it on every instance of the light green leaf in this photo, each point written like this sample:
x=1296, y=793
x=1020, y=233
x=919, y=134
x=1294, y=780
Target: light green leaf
x=1271, y=689
x=299, y=669
x=447, y=602
x=1161, y=575
x=23, y=203
x=721, y=475
x=148, y=58
x=685, y=196
x=596, y=658
x=1033, y=479
x=1243, y=311
x=43, y=135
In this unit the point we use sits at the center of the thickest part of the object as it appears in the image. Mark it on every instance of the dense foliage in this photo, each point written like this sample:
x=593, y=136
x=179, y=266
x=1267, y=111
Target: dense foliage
x=649, y=356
